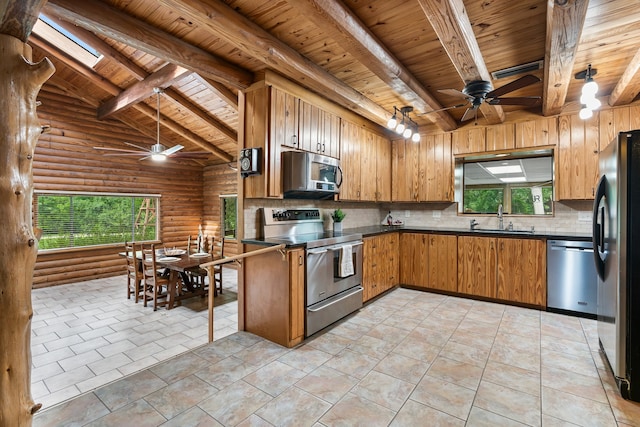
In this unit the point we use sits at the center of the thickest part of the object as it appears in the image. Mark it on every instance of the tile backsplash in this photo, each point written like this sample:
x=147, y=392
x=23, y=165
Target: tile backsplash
x=574, y=217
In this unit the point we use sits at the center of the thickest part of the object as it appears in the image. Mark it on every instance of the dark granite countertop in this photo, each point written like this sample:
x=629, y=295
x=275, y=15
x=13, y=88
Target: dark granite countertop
x=381, y=229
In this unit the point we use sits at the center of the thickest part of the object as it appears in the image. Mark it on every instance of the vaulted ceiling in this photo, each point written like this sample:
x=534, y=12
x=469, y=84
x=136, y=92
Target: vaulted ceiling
x=366, y=55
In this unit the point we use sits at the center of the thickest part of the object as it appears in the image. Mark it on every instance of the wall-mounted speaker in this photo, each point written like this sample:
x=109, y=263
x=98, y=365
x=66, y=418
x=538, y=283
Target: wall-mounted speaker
x=249, y=161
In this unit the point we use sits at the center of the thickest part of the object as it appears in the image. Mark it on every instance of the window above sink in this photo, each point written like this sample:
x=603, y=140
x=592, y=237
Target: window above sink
x=520, y=181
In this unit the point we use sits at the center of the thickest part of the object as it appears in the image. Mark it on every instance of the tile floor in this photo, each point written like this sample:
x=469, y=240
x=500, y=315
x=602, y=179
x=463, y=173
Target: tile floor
x=88, y=334
x=409, y=359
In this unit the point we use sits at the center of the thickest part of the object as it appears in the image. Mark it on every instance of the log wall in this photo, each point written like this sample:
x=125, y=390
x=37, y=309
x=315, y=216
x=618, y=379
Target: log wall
x=65, y=160
x=218, y=180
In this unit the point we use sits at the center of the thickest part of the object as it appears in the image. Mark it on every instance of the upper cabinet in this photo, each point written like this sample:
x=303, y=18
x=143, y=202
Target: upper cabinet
x=319, y=130
x=577, y=158
x=365, y=162
x=422, y=171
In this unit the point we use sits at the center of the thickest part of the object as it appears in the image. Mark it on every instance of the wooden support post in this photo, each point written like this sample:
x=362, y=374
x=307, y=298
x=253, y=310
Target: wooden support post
x=20, y=82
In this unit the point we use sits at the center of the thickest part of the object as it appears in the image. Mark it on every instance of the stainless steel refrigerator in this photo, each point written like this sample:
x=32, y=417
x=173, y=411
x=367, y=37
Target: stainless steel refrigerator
x=616, y=242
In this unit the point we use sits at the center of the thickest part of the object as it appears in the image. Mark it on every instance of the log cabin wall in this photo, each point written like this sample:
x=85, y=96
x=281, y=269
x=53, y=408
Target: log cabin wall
x=218, y=180
x=65, y=161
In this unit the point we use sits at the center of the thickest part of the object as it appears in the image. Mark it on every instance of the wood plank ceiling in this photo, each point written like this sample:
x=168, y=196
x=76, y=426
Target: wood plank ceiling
x=367, y=55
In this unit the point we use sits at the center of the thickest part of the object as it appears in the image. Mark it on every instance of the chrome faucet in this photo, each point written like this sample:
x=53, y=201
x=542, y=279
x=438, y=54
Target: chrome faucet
x=500, y=219
x=473, y=223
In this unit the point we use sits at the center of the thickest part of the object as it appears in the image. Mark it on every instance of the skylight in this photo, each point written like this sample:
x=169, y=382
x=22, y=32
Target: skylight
x=53, y=33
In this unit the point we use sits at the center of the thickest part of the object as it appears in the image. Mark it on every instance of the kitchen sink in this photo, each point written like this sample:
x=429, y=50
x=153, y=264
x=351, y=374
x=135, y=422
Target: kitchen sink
x=498, y=231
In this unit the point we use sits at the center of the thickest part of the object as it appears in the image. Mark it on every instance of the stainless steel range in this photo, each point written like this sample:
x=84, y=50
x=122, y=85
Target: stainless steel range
x=333, y=263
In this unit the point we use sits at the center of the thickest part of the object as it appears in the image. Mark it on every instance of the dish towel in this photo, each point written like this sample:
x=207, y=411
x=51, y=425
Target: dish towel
x=346, y=261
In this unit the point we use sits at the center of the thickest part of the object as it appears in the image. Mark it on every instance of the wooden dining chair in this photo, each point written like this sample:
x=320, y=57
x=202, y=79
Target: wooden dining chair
x=217, y=251
x=156, y=286
x=135, y=278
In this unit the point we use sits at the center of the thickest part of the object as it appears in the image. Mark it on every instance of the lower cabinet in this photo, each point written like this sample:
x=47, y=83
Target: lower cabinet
x=380, y=264
x=429, y=261
x=508, y=269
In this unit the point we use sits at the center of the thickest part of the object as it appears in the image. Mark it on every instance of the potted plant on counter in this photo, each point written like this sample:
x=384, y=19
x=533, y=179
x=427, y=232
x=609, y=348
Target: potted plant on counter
x=337, y=216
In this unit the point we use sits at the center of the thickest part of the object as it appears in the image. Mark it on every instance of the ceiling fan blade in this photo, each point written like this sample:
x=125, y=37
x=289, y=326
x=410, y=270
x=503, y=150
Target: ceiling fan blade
x=136, y=154
x=138, y=146
x=514, y=85
x=469, y=114
x=443, y=109
x=121, y=150
x=529, y=101
x=456, y=93
x=192, y=155
x=174, y=149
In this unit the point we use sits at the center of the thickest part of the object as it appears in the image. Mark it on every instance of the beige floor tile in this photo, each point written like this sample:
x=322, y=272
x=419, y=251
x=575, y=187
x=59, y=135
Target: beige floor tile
x=514, y=357
x=581, y=385
x=575, y=409
x=402, y=367
x=561, y=345
x=261, y=353
x=418, y=350
x=475, y=326
x=305, y=358
x=138, y=413
x=549, y=421
x=354, y=410
x=509, y=403
x=235, y=403
x=388, y=333
x=226, y=372
x=559, y=331
x=274, y=378
x=402, y=322
x=444, y=396
x=327, y=384
x=433, y=336
x=194, y=417
x=254, y=421
x=294, y=407
x=472, y=340
x=78, y=411
x=371, y=346
x=625, y=411
x=456, y=372
x=129, y=389
x=180, y=396
x=521, y=329
x=416, y=414
x=518, y=342
x=512, y=377
x=465, y=353
x=479, y=417
x=329, y=343
x=178, y=368
x=577, y=364
x=352, y=363
x=384, y=390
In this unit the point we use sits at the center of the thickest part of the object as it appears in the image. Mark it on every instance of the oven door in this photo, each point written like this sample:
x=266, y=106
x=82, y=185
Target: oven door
x=323, y=271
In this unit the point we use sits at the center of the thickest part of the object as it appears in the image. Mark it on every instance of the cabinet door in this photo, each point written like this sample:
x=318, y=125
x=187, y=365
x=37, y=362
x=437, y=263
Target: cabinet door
x=383, y=169
x=522, y=271
x=477, y=266
x=436, y=168
x=405, y=170
x=369, y=268
x=368, y=179
x=387, y=255
x=413, y=259
x=296, y=300
x=443, y=262
x=309, y=127
x=284, y=118
x=577, y=160
x=329, y=134
x=350, y=161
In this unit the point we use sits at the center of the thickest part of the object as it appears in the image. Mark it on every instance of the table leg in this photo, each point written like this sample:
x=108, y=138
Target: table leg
x=173, y=289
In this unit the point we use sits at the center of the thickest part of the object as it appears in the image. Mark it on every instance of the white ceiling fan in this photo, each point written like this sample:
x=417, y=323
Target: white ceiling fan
x=157, y=152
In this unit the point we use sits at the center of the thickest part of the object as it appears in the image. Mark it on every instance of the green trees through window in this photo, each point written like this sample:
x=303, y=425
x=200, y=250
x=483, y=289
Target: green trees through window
x=69, y=221
x=228, y=210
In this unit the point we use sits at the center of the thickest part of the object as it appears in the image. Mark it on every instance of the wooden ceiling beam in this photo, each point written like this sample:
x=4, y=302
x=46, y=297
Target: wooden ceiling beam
x=252, y=39
x=565, y=19
x=186, y=134
x=220, y=90
x=141, y=90
x=103, y=47
x=628, y=86
x=451, y=23
x=346, y=28
x=102, y=19
x=194, y=109
x=17, y=17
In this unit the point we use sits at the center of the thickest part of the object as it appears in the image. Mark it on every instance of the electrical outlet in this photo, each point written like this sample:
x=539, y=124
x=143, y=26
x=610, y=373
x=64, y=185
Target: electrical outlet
x=584, y=216
x=436, y=214
x=407, y=213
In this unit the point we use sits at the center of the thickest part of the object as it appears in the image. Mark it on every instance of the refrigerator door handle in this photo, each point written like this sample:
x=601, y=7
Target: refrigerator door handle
x=598, y=226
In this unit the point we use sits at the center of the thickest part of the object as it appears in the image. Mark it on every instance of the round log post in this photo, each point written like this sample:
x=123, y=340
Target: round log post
x=20, y=82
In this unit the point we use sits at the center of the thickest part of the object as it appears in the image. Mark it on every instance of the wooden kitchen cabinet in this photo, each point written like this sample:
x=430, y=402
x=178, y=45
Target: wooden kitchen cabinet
x=380, y=264
x=274, y=289
x=477, y=263
x=365, y=162
x=577, y=158
x=319, y=130
x=422, y=171
x=522, y=271
x=414, y=250
x=442, y=262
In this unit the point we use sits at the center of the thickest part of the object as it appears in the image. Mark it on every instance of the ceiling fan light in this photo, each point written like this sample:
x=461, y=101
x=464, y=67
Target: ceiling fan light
x=158, y=157
x=585, y=113
x=407, y=133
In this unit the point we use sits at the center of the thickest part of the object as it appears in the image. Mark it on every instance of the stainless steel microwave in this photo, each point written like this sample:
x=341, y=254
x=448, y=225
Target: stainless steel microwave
x=310, y=175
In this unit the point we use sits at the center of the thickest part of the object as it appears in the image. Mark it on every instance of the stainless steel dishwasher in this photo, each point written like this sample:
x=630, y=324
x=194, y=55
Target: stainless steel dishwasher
x=572, y=281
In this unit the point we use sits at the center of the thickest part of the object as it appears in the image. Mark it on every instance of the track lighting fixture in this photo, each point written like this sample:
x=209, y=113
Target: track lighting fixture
x=406, y=127
x=589, y=90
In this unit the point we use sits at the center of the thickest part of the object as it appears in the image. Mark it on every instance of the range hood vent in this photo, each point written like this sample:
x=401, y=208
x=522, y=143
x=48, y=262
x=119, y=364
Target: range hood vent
x=518, y=69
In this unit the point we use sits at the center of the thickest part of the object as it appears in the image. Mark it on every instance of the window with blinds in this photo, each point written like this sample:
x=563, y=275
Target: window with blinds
x=82, y=220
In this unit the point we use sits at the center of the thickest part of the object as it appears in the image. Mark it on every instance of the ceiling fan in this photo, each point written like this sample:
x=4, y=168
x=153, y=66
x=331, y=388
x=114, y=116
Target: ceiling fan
x=157, y=151
x=478, y=91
